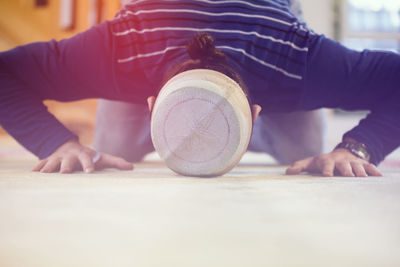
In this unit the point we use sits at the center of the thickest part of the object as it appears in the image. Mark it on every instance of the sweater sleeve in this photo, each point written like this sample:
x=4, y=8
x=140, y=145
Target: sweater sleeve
x=380, y=130
x=338, y=77
x=71, y=69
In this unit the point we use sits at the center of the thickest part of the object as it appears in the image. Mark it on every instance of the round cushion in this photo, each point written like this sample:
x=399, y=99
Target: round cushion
x=201, y=123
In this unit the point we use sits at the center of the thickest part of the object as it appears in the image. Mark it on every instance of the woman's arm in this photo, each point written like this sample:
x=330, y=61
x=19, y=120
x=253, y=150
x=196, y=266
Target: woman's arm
x=338, y=77
x=75, y=68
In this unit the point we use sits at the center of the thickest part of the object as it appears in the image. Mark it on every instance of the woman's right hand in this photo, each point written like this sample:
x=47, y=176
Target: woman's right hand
x=72, y=156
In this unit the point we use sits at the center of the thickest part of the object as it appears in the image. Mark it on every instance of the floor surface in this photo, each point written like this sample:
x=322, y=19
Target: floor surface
x=252, y=216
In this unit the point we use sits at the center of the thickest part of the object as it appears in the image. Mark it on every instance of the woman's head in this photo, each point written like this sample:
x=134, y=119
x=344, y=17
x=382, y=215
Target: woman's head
x=204, y=55
x=202, y=120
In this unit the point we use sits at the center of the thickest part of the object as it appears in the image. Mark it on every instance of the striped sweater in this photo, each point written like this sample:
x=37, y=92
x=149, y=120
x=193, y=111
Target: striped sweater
x=126, y=58
x=264, y=41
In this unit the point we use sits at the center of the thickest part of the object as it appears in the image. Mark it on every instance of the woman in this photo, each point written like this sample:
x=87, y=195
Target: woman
x=286, y=67
x=286, y=137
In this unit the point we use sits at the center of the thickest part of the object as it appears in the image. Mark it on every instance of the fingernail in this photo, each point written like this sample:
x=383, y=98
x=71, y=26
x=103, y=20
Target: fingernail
x=89, y=170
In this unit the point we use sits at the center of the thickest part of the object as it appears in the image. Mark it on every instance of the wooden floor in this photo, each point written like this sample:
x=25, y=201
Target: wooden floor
x=253, y=216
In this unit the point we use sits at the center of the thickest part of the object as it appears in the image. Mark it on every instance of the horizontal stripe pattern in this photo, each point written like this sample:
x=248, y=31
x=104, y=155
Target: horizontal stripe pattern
x=277, y=3
x=210, y=14
x=149, y=31
x=279, y=8
x=291, y=75
x=294, y=46
x=124, y=60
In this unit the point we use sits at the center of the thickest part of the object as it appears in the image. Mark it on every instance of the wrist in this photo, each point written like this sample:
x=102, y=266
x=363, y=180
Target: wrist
x=356, y=148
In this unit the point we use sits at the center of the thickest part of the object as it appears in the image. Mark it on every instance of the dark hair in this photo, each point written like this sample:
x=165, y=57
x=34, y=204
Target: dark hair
x=204, y=55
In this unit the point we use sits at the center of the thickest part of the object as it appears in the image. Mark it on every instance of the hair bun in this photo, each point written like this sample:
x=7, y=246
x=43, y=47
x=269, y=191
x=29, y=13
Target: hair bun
x=202, y=47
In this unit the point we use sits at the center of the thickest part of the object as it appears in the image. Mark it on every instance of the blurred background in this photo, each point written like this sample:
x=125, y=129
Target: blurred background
x=359, y=24
x=25, y=21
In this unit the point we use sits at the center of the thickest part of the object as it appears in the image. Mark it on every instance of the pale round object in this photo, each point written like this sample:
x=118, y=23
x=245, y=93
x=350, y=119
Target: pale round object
x=201, y=123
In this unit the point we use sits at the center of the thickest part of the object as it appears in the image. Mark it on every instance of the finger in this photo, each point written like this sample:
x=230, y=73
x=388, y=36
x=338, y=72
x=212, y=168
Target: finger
x=68, y=165
x=299, y=166
x=358, y=169
x=109, y=161
x=372, y=170
x=86, y=162
x=344, y=169
x=39, y=166
x=51, y=165
x=327, y=168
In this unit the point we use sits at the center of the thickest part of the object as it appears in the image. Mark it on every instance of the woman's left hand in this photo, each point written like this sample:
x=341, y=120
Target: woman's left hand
x=340, y=160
